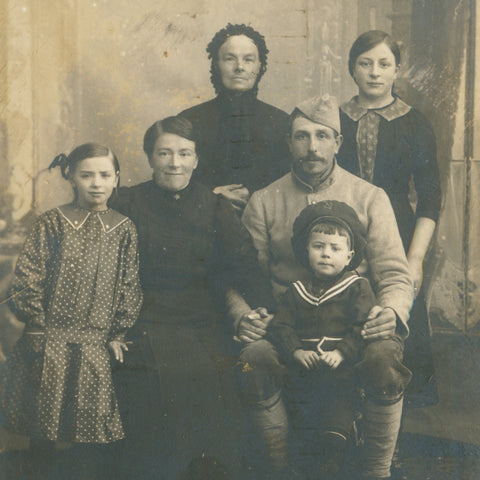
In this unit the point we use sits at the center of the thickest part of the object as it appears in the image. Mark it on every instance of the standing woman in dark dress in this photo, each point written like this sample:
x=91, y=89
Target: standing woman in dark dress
x=241, y=140
x=175, y=392
x=387, y=142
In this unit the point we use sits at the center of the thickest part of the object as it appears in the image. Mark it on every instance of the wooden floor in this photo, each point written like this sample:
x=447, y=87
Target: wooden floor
x=417, y=458
x=457, y=414
x=428, y=458
x=440, y=442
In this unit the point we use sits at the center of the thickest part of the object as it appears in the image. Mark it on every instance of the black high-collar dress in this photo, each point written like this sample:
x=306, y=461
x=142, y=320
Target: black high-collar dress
x=240, y=140
x=177, y=390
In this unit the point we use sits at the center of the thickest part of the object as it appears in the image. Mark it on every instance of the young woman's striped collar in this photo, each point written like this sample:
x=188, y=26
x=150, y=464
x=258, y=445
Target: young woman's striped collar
x=339, y=287
x=398, y=108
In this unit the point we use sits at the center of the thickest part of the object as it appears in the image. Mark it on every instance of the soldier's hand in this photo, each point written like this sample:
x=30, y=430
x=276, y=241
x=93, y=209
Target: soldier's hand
x=381, y=323
x=253, y=325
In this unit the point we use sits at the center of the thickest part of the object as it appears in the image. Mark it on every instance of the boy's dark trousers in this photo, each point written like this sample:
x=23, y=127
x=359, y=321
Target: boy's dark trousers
x=380, y=373
x=321, y=405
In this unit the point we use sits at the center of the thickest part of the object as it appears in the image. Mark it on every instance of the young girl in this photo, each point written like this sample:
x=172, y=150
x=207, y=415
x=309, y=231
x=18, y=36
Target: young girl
x=76, y=288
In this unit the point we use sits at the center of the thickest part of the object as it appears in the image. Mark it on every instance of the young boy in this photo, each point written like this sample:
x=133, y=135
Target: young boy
x=317, y=330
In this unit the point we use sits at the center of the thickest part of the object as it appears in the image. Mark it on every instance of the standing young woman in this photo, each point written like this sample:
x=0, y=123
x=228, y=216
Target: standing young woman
x=387, y=142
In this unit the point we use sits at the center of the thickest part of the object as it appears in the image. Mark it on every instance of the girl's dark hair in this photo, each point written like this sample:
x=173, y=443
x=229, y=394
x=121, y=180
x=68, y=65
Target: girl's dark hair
x=368, y=40
x=69, y=163
x=221, y=37
x=177, y=125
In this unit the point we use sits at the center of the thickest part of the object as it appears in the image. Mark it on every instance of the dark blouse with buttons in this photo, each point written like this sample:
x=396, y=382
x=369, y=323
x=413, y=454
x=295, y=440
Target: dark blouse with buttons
x=388, y=147
x=178, y=382
x=240, y=140
x=192, y=248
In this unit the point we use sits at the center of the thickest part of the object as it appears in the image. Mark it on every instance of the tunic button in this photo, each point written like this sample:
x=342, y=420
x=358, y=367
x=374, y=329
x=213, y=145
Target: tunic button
x=75, y=222
x=107, y=226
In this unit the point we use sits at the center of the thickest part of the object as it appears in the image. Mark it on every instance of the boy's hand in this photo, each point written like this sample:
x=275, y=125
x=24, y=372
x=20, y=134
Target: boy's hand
x=307, y=358
x=117, y=348
x=333, y=359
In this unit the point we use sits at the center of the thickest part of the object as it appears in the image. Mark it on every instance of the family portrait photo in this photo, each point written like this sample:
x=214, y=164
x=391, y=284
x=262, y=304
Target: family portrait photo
x=239, y=240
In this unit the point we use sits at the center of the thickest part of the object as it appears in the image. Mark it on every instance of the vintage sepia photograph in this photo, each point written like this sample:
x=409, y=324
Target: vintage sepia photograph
x=239, y=240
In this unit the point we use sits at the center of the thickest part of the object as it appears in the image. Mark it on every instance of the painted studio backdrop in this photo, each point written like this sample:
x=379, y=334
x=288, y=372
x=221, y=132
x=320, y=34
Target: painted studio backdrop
x=104, y=70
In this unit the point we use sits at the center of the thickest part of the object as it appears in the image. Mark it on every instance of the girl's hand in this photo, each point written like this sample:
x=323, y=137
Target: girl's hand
x=416, y=271
x=332, y=359
x=117, y=347
x=35, y=341
x=422, y=235
x=307, y=358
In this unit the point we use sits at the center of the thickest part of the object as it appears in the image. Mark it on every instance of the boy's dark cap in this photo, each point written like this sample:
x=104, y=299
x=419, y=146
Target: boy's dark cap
x=328, y=211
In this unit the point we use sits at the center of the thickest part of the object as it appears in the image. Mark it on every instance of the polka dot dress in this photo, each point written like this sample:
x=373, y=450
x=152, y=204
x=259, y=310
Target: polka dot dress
x=77, y=280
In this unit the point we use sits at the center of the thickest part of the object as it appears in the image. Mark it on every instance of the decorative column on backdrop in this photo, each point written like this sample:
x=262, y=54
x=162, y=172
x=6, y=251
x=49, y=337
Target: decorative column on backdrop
x=36, y=120
x=331, y=27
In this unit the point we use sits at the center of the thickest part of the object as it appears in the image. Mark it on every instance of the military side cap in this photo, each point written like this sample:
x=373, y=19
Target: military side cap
x=321, y=109
x=328, y=211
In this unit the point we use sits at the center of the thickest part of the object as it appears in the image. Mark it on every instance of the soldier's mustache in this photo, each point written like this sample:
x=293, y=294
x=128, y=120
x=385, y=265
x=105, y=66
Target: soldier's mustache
x=312, y=158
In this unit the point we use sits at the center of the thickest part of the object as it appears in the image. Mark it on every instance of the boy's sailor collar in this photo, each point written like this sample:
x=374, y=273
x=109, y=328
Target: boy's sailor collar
x=345, y=281
x=77, y=216
x=398, y=108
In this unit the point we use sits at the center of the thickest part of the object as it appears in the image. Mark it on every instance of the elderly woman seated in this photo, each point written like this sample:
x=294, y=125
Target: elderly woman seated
x=175, y=387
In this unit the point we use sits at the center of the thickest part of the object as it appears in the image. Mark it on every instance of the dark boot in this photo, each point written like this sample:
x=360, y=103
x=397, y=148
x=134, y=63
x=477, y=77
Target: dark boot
x=333, y=453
